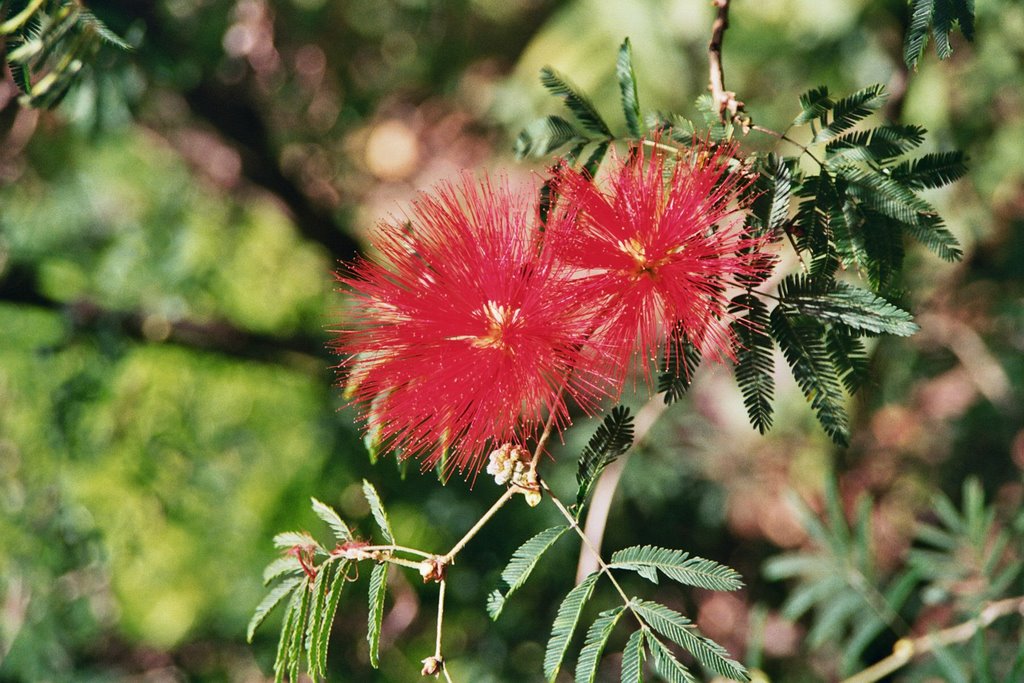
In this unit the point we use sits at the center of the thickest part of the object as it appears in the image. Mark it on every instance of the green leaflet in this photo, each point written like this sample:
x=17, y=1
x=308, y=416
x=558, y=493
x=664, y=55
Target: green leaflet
x=800, y=339
x=544, y=136
x=593, y=644
x=293, y=652
x=577, y=102
x=839, y=579
x=849, y=356
x=318, y=602
x=633, y=658
x=677, y=566
x=849, y=110
x=681, y=360
x=272, y=599
x=521, y=565
x=814, y=104
x=292, y=623
x=613, y=438
x=931, y=170
x=322, y=628
x=755, y=364
x=940, y=16
x=288, y=564
x=837, y=302
x=679, y=630
x=331, y=519
x=379, y=514
x=781, y=194
x=666, y=664
x=375, y=617
x=565, y=624
x=290, y=539
x=47, y=44
x=627, y=88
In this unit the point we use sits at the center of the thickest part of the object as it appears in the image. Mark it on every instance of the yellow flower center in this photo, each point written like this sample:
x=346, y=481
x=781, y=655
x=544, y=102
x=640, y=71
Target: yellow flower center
x=642, y=265
x=497, y=318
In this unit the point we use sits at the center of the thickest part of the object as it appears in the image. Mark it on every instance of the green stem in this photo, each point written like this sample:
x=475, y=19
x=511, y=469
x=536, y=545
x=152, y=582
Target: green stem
x=397, y=549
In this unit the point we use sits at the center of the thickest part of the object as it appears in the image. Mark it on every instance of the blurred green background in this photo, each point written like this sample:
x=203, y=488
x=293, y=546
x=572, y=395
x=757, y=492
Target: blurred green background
x=167, y=239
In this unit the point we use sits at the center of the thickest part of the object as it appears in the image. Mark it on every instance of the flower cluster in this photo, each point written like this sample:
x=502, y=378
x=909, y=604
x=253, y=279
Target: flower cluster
x=474, y=326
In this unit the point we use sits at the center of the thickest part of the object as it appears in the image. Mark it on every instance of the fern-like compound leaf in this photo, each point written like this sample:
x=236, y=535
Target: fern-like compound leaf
x=849, y=356
x=596, y=157
x=682, y=359
x=565, y=624
x=290, y=539
x=318, y=603
x=293, y=653
x=814, y=104
x=931, y=170
x=781, y=196
x=322, y=628
x=288, y=628
x=627, y=88
x=850, y=110
x=282, y=566
x=845, y=304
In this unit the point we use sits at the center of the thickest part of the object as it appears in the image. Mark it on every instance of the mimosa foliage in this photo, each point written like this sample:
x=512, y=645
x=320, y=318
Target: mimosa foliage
x=847, y=218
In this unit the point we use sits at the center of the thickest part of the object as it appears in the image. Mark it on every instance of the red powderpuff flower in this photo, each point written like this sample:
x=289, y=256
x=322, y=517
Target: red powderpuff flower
x=660, y=250
x=465, y=331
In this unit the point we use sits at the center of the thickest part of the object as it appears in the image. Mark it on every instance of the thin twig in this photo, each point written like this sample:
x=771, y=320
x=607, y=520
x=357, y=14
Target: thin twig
x=402, y=562
x=905, y=649
x=396, y=549
x=498, y=504
x=440, y=617
x=804, y=149
x=590, y=546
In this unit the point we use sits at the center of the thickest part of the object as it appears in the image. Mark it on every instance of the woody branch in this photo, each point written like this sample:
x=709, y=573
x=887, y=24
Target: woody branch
x=728, y=106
